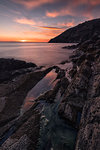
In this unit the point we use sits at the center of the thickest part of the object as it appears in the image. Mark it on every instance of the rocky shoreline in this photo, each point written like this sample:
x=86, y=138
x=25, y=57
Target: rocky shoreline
x=65, y=117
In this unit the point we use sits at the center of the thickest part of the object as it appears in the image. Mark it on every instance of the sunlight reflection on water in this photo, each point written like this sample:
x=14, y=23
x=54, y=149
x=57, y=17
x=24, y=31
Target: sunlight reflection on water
x=39, y=53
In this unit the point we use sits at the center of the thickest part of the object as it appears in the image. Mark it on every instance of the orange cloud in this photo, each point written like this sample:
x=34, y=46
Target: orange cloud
x=29, y=4
x=25, y=21
x=52, y=14
x=62, y=12
x=50, y=28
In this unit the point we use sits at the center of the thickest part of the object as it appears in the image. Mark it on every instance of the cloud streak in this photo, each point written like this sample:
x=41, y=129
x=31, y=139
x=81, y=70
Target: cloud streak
x=25, y=21
x=29, y=4
x=50, y=28
x=62, y=12
x=72, y=8
x=33, y=23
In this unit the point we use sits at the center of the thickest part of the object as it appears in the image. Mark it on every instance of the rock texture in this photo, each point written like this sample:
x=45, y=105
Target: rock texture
x=10, y=68
x=89, y=132
x=12, y=96
x=82, y=97
x=80, y=33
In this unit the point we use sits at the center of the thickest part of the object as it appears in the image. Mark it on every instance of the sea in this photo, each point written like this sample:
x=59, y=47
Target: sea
x=42, y=54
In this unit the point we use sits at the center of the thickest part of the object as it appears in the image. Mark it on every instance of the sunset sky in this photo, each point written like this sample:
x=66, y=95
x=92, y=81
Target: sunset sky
x=41, y=20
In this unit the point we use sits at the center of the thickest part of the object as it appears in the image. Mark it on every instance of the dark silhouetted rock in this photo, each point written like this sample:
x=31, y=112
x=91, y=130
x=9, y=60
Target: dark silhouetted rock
x=79, y=33
x=10, y=68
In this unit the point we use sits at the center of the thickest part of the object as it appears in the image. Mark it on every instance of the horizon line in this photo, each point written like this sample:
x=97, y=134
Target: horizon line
x=20, y=42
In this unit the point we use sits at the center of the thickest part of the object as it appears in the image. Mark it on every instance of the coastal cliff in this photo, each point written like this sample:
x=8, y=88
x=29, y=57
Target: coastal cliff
x=79, y=33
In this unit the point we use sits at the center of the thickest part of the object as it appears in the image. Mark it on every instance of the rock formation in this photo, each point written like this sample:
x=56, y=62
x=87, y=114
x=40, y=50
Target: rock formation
x=82, y=97
x=79, y=33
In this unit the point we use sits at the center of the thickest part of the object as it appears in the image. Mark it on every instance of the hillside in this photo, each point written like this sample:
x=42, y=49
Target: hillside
x=79, y=33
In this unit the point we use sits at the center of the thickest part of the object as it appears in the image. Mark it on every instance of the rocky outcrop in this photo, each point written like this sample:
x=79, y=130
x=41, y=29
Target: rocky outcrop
x=82, y=97
x=12, y=95
x=76, y=94
x=89, y=131
x=80, y=33
x=10, y=68
x=12, y=64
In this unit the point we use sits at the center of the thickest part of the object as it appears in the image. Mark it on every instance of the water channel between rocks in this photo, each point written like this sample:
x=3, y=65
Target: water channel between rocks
x=55, y=133
x=44, y=85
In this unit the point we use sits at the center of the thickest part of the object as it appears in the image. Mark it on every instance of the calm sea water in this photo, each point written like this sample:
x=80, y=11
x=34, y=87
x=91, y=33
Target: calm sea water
x=39, y=53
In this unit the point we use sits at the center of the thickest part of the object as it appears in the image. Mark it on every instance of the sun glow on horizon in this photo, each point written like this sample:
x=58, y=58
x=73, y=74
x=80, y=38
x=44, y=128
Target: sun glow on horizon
x=23, y=40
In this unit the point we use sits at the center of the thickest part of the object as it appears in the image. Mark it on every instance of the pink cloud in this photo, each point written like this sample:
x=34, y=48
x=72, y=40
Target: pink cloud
x=37, y=24
x=61, y=12
x=29, y=4
x=71, y=9
x=52, y=14
x=95, y=2
x=88, y=2
x=66, y=24
x=25, y=21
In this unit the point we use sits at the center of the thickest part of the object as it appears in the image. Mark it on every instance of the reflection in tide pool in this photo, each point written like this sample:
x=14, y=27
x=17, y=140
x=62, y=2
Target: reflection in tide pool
x=44, y=85
x=55, y=133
